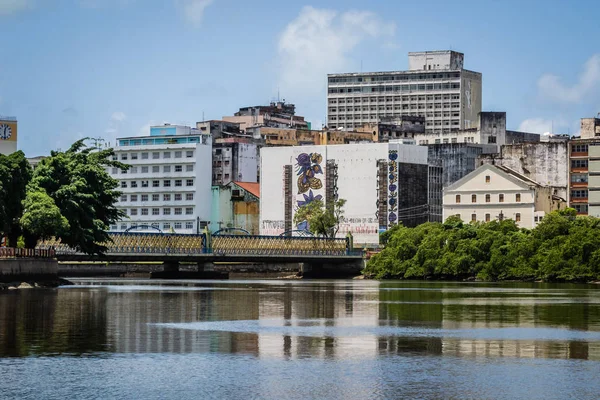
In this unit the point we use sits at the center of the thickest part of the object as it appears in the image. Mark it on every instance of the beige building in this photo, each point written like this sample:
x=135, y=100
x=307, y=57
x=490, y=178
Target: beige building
x=495, y=193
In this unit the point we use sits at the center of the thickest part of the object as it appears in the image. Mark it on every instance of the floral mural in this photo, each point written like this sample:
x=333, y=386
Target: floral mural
x=308, y=169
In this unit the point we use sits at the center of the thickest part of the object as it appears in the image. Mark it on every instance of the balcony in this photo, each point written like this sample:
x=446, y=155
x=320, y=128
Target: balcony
x=579, y=200
x=579, y=184
x=579, y=154
x=579, y=169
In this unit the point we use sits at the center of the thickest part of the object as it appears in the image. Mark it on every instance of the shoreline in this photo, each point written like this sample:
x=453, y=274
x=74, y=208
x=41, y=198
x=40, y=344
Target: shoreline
x=34, y=284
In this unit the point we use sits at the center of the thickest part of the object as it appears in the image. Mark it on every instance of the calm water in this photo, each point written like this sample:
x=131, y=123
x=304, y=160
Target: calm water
x=300, y=339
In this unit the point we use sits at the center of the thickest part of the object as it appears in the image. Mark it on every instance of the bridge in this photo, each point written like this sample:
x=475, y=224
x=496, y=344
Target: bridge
x=205, y=249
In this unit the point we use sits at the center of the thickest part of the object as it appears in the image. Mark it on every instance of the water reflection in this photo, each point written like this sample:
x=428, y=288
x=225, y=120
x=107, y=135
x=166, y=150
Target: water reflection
x=316, y=319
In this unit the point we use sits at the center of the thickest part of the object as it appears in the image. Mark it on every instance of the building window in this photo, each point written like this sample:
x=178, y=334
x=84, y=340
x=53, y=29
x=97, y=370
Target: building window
x=473, y=217
x=133, y=170
x=178, y=168
x=189, y=196
x=144, y=170
x=144, y=156
x=487, y=217
x=167, y=154
x=189, y=167
x=124, y=156
x=178, y=211
x=156, y=211
x=189, y=153
x=155, y=169
x=155, y=183
x=166, y=211
x=144, y=197
x=166, y=226
x=144, y=184
x=579, y=178
x=189, y=225
x=177, y=196
x=177, y=225
x=579, y=194
x=579, y=163
x=134, y=197
x=518, y=197
x=166, y=197
x=189, y=182
x=501, y=198
x=458, y=198
x=115, y=171
x=189, y=211
x=144, y=211
x=123, y=227
x=134, y=156
x=487, y=179
x=473, y=198
x=518, y=217
x=155, y=225
x=155, y=155
x=488, y=198
x=178, y=154
x=167, y=183
x=167, y=168
x=133, y=211
x=178, y=182
x=124, y=197
x=114, y=227
x=123, y=184
x=134, y=184
x=155, y=197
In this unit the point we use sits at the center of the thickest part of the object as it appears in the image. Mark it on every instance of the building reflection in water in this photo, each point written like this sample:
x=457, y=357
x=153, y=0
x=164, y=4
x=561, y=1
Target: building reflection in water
x=346, y=319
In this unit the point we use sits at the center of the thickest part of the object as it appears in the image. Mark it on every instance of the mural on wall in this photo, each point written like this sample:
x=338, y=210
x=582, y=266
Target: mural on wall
x=310, y=183
x=308, y=168
x=393, y=188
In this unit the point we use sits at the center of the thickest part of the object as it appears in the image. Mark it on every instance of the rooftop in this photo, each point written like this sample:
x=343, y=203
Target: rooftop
x=250, y=187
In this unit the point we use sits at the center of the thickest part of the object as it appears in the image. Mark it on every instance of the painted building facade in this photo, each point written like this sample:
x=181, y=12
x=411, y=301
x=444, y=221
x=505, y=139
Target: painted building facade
x=236, y=205
x=382, y=183
x=8, y=135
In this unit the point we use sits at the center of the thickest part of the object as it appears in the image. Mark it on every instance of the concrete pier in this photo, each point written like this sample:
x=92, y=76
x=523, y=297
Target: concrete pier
x=28, y=269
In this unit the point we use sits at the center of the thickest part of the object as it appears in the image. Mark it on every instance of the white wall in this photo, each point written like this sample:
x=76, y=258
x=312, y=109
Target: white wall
x=357, y=183
x=247, y=163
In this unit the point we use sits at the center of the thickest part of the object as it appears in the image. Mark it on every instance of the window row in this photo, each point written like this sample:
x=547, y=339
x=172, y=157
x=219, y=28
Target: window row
x=579, y=194
x=488, y=198
x=488, y=217
x=396, y=88
x=157, y=211
x=155, y=155
x=579, y=148
x=156, y=183
x=155, y=169
x=395, y=77
x=165, y=225
x=579, y=163
x=156, y=197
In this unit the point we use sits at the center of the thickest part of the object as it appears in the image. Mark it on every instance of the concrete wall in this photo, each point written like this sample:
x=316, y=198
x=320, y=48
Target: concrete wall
x=470, y=107
x=23, y=268
x=590, y=128
x=356, y=183
x=456, y=160
x=246, y=163
x=544, y=162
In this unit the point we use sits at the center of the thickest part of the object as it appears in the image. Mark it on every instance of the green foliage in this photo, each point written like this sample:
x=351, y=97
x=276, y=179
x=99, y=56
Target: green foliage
x=563, y=247
x=75, y=195
x=322, y=221
x=15, y=174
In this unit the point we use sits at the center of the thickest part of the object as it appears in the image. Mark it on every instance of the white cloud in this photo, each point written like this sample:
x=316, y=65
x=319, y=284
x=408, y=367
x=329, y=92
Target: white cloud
x=543, y=126
x=320, y=41
x=193, y=10
x=551, y=86
x=13, y=6
x=118, y=116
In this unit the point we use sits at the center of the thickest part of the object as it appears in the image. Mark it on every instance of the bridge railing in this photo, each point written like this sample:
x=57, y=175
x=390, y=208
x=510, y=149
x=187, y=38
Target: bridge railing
x=12, y=252
x=278, y=245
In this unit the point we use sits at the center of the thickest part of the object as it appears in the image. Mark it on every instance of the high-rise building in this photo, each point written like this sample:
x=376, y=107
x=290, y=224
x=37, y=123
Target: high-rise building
x=436, y=86
x=8, y=135
x=168, y=186
x=584, y=157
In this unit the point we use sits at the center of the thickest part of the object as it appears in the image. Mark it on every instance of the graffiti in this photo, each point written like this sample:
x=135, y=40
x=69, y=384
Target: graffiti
x=268, y=227
x=308, y=166
x=393, y=188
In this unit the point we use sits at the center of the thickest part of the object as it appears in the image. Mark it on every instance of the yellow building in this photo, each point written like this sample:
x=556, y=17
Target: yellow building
x=8, y=135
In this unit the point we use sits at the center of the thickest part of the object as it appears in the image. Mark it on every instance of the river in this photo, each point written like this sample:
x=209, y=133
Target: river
x=354, y=339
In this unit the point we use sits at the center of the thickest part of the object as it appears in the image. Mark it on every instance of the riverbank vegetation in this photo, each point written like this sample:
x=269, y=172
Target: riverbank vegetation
x=69, y=195
x=563, y=247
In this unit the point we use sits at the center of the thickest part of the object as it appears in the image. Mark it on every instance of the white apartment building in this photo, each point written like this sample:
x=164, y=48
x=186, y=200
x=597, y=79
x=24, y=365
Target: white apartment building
x=168, y=185
x=436, y=87
x=495, y=193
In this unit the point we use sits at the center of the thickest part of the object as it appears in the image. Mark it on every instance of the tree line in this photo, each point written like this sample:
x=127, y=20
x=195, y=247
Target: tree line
x=69, y=195
x=563, y=247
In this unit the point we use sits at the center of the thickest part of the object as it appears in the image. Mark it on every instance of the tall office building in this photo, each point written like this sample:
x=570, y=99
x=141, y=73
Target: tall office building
x=436, y=86
x=168, y=186
x=584, y=182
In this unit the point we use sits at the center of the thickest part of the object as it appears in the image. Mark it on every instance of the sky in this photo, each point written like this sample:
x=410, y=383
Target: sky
x=111, y=68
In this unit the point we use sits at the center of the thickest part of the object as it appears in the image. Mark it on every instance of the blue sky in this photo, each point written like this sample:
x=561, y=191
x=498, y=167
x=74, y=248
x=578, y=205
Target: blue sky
x=110, y=68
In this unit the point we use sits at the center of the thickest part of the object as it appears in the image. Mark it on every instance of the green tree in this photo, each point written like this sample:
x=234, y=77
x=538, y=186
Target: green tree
x=85, y=194
x=15, y=174
x=322, y=220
